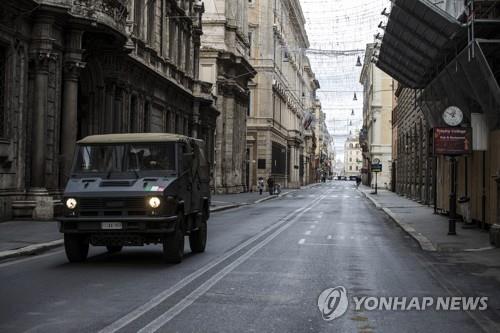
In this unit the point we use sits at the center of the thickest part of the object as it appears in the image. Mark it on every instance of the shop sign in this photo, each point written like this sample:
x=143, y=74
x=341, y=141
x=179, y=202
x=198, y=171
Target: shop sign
x=452, y=141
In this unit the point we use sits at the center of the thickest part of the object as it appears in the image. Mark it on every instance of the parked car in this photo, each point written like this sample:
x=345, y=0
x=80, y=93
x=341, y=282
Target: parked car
x=353, y=178
x=136, y=189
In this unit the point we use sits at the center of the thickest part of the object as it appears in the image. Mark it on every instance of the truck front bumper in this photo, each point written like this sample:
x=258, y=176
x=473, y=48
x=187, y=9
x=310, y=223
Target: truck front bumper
x=136, y=225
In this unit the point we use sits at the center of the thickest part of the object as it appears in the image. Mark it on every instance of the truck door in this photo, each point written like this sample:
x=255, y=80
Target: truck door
x=195, y=172
x=185, y=173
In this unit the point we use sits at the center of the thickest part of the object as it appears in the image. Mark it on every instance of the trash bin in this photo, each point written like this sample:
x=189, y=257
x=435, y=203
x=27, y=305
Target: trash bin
x=464, y=204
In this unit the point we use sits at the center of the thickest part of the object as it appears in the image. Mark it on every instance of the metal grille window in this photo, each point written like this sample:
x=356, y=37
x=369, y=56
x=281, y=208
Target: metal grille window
x=3, y=60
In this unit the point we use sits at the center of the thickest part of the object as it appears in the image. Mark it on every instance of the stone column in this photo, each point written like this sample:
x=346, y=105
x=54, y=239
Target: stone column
x=69, y=112
x=40, y=61
x=110, y=106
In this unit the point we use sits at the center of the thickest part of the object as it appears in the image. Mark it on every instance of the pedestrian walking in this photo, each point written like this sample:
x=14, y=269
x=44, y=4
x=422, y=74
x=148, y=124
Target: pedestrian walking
x=260, y=185
x=358, y=181
x=277, y=189
x=270, y=185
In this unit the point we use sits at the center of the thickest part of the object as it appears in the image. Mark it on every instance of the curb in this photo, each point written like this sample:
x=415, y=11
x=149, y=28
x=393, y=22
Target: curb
x=31, y=249
x=424, y=242
x=226, y=207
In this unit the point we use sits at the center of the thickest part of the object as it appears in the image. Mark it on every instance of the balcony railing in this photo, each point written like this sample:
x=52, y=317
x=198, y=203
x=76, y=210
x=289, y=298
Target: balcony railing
x=112, y=13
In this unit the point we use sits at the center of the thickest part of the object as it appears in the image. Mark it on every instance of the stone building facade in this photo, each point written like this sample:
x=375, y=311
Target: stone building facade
x=75, y=68
x=225, y=63
x=323, y=154
x=282, y=93
x=412, y=151
x=353, y=158
x=376, y=134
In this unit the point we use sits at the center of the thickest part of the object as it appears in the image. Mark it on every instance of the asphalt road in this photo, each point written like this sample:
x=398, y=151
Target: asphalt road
x=263, y=271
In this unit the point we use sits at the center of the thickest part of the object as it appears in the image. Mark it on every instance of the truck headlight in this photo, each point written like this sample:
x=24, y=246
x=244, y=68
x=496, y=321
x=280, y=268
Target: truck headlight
x=71, y=203
x=154, y=202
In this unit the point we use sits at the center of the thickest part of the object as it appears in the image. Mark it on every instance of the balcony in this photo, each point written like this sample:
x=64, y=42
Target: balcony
x=110, y=13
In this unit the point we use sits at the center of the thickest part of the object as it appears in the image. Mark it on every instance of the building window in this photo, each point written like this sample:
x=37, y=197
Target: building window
x=167, y=121
x=350, y=167
x=151, y=21
x=147, y=117
x=3, y=60
x=177, y=124
x=138, y=17
x=249, y=109
x=250, y=36
x=134, y=120
x=187, y=55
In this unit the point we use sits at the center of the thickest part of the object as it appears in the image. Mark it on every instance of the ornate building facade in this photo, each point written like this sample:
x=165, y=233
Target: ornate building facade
x=75, y=68
x=282, y=94
x=376, y=134
x=353, y=159
x=225, y=64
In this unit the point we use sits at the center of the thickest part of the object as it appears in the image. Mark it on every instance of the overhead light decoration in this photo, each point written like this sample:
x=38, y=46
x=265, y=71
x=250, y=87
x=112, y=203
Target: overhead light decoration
x=355, y=98
x=352, y=112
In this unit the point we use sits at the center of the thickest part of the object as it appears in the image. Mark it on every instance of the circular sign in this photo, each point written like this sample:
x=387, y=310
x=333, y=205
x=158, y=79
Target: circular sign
x=376, y=161
x=453, y=116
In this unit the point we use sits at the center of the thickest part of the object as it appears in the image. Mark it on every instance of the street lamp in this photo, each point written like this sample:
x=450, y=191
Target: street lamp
x=355, y=98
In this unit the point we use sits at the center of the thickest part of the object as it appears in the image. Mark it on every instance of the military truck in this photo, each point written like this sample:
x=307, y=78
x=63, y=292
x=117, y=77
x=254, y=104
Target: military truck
x=137, y=189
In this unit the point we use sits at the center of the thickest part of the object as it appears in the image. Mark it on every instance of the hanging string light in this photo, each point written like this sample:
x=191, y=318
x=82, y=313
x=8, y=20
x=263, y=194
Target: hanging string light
x=355, y=98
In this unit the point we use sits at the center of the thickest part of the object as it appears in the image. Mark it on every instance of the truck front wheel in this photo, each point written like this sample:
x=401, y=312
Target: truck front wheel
x=198, y=238
x=173, y=244
x=76, y=247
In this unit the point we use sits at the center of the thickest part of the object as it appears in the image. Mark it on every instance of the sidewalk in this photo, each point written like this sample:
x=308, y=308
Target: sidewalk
x=19, y=238
x=428, y=229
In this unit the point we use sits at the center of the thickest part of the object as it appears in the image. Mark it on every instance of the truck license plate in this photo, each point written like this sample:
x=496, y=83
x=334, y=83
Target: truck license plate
x=111, y=225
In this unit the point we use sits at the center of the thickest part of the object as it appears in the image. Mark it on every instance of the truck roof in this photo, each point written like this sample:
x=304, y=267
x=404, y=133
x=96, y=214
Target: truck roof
x=133, y=138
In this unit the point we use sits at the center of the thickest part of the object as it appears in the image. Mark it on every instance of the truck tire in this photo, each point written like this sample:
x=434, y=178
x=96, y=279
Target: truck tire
x=114, y=248
x=173, y=244
x=198, y=238
x=76, y=247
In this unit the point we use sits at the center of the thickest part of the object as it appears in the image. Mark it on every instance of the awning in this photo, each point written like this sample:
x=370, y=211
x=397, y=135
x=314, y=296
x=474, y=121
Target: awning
x=417, y=38
x=469, y=84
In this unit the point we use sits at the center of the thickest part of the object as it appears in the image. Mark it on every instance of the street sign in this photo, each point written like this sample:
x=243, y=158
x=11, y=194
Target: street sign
x=376, y=167
x=452, y=141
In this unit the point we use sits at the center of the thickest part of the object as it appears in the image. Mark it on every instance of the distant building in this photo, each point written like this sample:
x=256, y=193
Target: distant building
x=283, y=94
x=376, y=134
x=225, y=63
x=353, y=159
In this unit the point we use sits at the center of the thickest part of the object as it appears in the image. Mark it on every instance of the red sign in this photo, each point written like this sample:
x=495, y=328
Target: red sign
x=452, y=141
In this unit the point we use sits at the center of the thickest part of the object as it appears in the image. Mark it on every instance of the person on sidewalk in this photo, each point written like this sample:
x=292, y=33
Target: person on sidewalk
x=260, y=185
x=358, y=181
x=270, y=185
x=277, y=189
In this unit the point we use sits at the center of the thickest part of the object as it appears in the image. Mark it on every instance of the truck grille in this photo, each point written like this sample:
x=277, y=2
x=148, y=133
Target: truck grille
x=112, y=206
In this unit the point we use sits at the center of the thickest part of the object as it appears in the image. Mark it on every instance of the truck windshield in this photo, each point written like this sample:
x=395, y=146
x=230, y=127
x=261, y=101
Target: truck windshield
x=140, y=157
